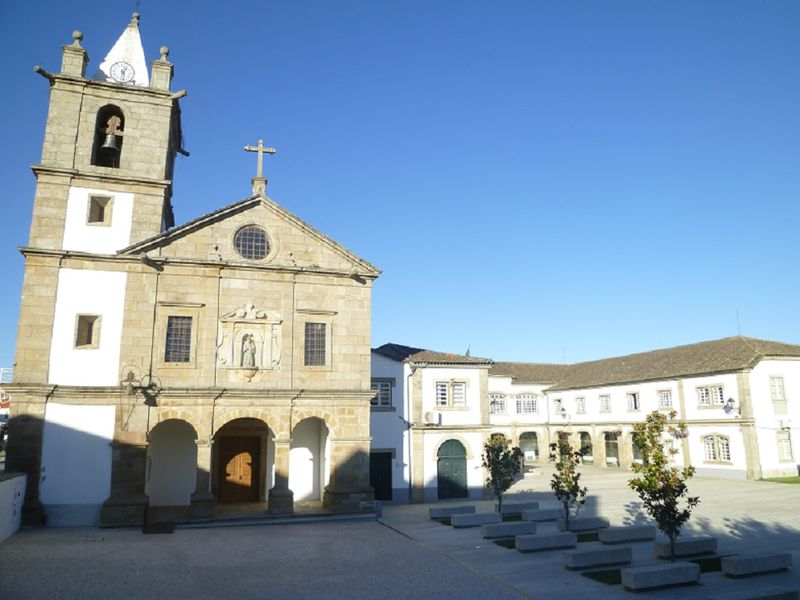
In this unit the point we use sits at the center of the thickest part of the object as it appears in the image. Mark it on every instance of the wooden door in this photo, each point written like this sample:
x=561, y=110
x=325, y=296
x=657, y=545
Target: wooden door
x=239, y=469
x=452, y=470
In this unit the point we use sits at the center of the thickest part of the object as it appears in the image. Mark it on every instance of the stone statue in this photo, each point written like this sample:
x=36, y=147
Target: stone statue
x=248, y=352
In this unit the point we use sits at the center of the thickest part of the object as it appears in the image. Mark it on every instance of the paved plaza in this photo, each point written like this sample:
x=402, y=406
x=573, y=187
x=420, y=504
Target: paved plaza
x=402, y=555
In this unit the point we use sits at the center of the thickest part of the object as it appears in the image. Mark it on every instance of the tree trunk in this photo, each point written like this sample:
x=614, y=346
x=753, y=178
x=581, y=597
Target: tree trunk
x=672, y=548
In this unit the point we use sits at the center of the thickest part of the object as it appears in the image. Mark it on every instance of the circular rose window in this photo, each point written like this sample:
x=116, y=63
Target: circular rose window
x=251, y=242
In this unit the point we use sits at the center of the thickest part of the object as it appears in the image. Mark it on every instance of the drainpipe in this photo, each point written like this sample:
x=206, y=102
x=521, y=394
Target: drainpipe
x=409, y=425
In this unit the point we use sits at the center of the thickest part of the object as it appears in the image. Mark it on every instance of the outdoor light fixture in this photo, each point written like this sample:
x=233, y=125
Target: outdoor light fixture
x=730, y=406
x=148, y=385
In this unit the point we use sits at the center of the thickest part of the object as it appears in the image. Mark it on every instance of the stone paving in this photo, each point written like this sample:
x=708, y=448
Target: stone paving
x=745, y=516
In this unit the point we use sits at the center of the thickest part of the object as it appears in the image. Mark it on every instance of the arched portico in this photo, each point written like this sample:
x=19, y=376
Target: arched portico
x=242, y=461
x=309, y=459
x=171, y=463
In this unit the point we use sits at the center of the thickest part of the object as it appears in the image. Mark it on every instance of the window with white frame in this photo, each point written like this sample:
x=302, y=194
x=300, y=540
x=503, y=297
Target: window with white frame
x=785, y=446
x=526, y=404
x=716, y=448
x=558, y=406
x=383, y=387
x=665, y=399
x=633, y=400
x=605, y=403
x=497, y=404
x=778, y=393
x=451, y=393
x=580, y=405
x=710, y=395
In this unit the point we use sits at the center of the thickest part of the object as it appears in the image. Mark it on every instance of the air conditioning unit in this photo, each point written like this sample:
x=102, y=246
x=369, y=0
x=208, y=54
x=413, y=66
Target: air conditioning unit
x=430, y=418
x=786, y=423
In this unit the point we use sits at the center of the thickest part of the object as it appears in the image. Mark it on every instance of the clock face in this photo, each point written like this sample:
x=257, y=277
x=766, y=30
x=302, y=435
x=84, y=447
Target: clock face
x=121, y=72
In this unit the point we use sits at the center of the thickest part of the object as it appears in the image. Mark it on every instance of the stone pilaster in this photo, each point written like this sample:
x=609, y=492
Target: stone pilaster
x=24, y=451
x=417, y=466
x=281, y=498
x=127, y=503
x=749, y=434
x=349, y=489
x=202, y=498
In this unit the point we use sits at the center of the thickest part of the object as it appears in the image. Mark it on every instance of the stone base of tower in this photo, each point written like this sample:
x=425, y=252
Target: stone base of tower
x=123, y=512
x=345, y=501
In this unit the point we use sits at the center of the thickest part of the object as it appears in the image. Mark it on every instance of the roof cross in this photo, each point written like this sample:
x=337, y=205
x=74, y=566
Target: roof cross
x=261, y=149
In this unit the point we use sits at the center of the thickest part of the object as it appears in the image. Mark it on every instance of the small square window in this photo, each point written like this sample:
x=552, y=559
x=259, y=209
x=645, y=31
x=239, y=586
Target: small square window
x=665, y=399
x=99, y=210
x=87, y=331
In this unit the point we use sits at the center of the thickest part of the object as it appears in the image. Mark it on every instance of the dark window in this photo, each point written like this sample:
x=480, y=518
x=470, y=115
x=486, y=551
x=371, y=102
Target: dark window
x=179, y=339
x=99, y=210
x=315, y=345
x=251, y=242
x=88, y=331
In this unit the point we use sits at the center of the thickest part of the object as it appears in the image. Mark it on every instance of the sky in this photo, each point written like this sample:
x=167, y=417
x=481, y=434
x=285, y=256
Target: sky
x=538, y=181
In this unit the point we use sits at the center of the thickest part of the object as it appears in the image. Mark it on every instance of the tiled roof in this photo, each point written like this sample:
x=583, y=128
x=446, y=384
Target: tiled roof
x=529, y=372
x=716, y=356
x=410, y=354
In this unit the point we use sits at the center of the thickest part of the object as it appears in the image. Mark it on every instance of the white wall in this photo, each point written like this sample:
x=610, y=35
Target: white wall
x=387, y=427
x=769, y=422
x=76, y=462
x=469, y=415
x=472, y=442
x=101, y=239
x=172, y=464
x=12, y=496
x=94, y=293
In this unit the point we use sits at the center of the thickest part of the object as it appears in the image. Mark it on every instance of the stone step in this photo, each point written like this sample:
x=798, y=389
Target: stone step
x=771, y=592
x=516, y=508
x=598, y=557
x=552, y=541
x=656, y=576
x=542, y=514
x=442, y=512
x=475, y=520
x=631, y=533
x=505, y=530
x=583, y=524
x=755, y=564
x=688, y=546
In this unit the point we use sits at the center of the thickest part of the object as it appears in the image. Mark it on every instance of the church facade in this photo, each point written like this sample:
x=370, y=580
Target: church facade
x=173, y=368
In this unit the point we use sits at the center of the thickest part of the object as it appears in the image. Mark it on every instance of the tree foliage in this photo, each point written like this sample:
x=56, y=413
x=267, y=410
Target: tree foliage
x=566, y=481
x=661, y=484
x=503, y=463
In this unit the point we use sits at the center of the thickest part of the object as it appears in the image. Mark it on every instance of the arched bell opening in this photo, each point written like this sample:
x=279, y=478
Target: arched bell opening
x=108, y=136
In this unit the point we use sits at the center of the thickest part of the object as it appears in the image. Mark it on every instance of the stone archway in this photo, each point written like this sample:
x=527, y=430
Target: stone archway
x=171, y=463
x=309, y=459
x=529, y=444
x=242, y=461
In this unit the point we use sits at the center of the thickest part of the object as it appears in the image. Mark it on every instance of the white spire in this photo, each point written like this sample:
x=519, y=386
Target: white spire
x=125, y=62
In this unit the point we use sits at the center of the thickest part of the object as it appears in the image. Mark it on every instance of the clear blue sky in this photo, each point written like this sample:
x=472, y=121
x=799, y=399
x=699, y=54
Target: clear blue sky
x=537, y=180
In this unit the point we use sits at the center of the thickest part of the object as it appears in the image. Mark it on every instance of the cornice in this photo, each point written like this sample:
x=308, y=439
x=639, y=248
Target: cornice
x=100, y=177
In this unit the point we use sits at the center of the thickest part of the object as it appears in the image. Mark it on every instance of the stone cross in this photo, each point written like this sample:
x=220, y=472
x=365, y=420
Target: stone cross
x=261, y=150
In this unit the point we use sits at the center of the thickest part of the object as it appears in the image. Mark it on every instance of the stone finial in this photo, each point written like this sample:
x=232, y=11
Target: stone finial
x=135, y=20
x=164, y=53
x=77, y=36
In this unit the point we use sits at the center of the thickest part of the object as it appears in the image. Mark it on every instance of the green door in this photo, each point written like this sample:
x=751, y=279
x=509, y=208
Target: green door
x=452, y=470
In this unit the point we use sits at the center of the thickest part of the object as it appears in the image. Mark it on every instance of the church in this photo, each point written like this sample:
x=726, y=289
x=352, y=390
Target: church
x=171, y=368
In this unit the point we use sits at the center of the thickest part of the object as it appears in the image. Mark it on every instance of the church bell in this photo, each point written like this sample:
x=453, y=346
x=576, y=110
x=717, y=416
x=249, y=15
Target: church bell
x=110, y=143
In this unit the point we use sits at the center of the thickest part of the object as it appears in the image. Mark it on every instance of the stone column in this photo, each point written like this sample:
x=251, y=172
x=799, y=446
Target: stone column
x=281, y=498
x=349, y=489
x=202, y=498
x=127, y=503
x=24, y=452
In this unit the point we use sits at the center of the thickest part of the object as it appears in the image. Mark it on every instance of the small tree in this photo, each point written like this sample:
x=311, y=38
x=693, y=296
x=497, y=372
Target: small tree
x=566, y=481
x=661, y=485
x=503, y=464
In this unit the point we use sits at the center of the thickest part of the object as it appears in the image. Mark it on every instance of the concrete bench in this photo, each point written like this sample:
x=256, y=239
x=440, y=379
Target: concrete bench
x=582, y=524
x=633, y=533
x=656, y=576
x=516, y=508
x=552, y=541
x=546, y=514
x=770, y=592
x=505, y=530
x=475, y=520
x=598, y=557
x=443, y=512
x=755, y=564
x=689, y=546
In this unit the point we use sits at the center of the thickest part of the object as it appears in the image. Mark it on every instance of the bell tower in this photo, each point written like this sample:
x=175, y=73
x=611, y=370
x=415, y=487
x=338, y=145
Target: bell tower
x=105, y=177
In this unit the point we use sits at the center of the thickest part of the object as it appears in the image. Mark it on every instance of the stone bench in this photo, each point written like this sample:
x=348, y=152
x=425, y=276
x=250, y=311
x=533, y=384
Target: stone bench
x=689, y=546
x=546, y=514
x=475, y=520
x=598, y=557
x=516, y=508
x=656, y=576
x=443, y=512
x=583, y=524
x=755, y=564
x=505, y=530
x=552, y=541
x=769, y=592
x=632, y=533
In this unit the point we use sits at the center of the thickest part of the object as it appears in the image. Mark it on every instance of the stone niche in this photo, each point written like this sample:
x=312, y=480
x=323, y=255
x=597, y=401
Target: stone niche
x=249, y=340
